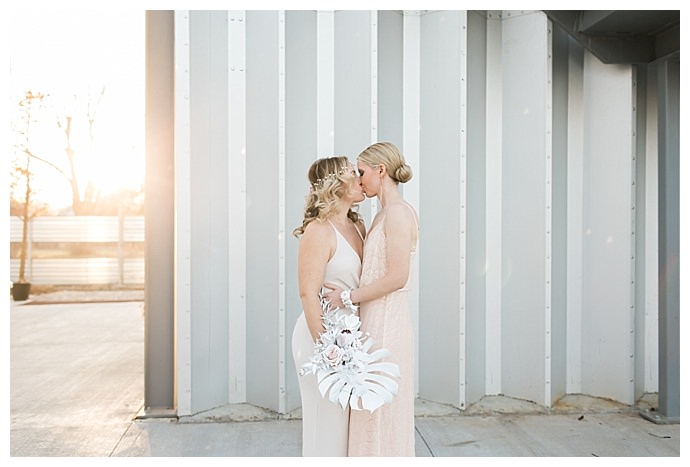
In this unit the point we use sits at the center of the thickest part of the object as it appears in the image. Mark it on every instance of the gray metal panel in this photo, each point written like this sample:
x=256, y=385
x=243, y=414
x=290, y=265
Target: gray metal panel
x=669, y=239
x=607, y=352
x=262, y=208
x=649, y=308
x=641, y=189
x=390, y=77
x=575, y=144
x=439, y=249
x=560, y=52
x=493, y=134
x=160, y=213
x=524, y=204
x=475, y=354
x=237, y=183
x=209, y=208
x=300, y=30
x=352, y=83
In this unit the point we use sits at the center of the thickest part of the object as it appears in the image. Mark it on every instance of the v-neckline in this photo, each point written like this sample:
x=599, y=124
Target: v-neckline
x=378, y=221
x=348, y=242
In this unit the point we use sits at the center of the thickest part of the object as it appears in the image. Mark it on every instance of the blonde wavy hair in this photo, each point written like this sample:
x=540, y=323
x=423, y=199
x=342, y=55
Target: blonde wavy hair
x=391, y=157
x=329, y=179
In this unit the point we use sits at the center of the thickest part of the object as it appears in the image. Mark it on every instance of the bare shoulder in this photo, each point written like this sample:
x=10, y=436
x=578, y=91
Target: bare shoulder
x=401, y=222
x=318, y=242
x=318, y=230
x=401, y=213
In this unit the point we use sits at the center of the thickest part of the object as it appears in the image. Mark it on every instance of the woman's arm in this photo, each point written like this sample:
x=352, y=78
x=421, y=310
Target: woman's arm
x=400, y=230
x=315, y=250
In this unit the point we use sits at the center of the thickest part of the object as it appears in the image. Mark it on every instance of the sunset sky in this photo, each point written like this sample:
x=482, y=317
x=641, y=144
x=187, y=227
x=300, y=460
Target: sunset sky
x=67, y=53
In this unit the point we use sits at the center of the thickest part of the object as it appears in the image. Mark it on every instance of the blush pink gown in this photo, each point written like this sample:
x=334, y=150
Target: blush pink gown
x=389, y=430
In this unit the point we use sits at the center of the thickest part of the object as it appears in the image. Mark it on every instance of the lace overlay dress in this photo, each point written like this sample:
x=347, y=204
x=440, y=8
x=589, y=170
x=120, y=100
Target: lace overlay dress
x=389, y=430
x=324, y=423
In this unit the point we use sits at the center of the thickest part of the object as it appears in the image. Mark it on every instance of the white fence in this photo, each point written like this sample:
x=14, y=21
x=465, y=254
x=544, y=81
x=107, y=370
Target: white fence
x=117, y=268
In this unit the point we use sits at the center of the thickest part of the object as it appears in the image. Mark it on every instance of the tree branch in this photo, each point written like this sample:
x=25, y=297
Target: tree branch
x=62, y=172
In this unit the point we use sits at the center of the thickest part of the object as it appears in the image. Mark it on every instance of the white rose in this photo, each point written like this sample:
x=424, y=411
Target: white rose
x=333, y=355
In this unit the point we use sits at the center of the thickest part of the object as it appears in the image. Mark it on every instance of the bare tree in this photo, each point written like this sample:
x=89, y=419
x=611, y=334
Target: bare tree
x=87, y=199
x=81, y=204
x=22, y=204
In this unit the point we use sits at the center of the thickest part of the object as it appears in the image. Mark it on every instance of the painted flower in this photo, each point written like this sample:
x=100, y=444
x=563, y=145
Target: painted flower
x=345, y=368
x=351, y=322
x=345, y=338
x=333, y=355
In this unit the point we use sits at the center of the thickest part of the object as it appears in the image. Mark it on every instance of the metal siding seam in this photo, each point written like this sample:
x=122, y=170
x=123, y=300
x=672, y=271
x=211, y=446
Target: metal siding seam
x=462, y=396
x=494, y=207
x=282, y=396
x=237, y=369
x=183, y=353
x=575, y=213
x=548, y=214
x=373, y=63
x=633, y=217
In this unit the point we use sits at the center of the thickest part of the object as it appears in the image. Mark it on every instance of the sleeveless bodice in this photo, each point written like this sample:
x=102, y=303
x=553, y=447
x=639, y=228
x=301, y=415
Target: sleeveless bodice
x=374, y=265
x=345, y=267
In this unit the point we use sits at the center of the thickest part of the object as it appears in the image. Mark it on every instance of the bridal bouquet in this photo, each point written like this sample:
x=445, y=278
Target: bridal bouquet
x=344, y=367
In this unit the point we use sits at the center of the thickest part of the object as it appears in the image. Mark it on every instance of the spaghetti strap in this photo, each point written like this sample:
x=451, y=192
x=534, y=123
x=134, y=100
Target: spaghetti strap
x=414, y=214
x=356, y=228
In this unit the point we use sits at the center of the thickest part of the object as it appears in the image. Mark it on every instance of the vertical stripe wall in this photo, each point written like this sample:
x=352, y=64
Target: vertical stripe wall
x=526, y=152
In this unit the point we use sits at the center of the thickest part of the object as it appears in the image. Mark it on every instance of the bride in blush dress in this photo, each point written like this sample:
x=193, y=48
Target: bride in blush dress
x=383, y=297
x=331, y=242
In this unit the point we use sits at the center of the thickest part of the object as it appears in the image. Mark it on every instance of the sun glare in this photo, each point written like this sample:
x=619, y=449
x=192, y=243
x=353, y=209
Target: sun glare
x=72, y=56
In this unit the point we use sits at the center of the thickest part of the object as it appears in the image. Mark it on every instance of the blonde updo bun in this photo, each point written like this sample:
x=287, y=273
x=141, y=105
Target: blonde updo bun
x=403, y=174
x=388, y=155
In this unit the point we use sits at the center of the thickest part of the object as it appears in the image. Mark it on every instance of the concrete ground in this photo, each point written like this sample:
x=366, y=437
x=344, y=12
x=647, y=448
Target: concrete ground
x=77, y=385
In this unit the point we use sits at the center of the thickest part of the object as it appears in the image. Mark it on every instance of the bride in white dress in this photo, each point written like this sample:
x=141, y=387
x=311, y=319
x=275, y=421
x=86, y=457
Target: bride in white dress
x=330, y=251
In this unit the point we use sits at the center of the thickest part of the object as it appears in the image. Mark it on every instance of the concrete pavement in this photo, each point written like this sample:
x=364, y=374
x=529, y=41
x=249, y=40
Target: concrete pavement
x=77, y=385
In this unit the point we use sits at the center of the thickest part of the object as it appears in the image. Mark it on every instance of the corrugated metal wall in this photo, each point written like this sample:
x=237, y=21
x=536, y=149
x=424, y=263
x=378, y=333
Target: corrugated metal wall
x=526, y=153
x=54, y=268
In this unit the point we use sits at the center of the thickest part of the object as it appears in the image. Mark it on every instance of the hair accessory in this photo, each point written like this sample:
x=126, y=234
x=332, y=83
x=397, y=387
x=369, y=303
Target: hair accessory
x=328, y=178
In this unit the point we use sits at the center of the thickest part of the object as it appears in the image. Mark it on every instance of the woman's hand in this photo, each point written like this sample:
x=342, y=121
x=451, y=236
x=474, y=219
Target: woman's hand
x=332, y=294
